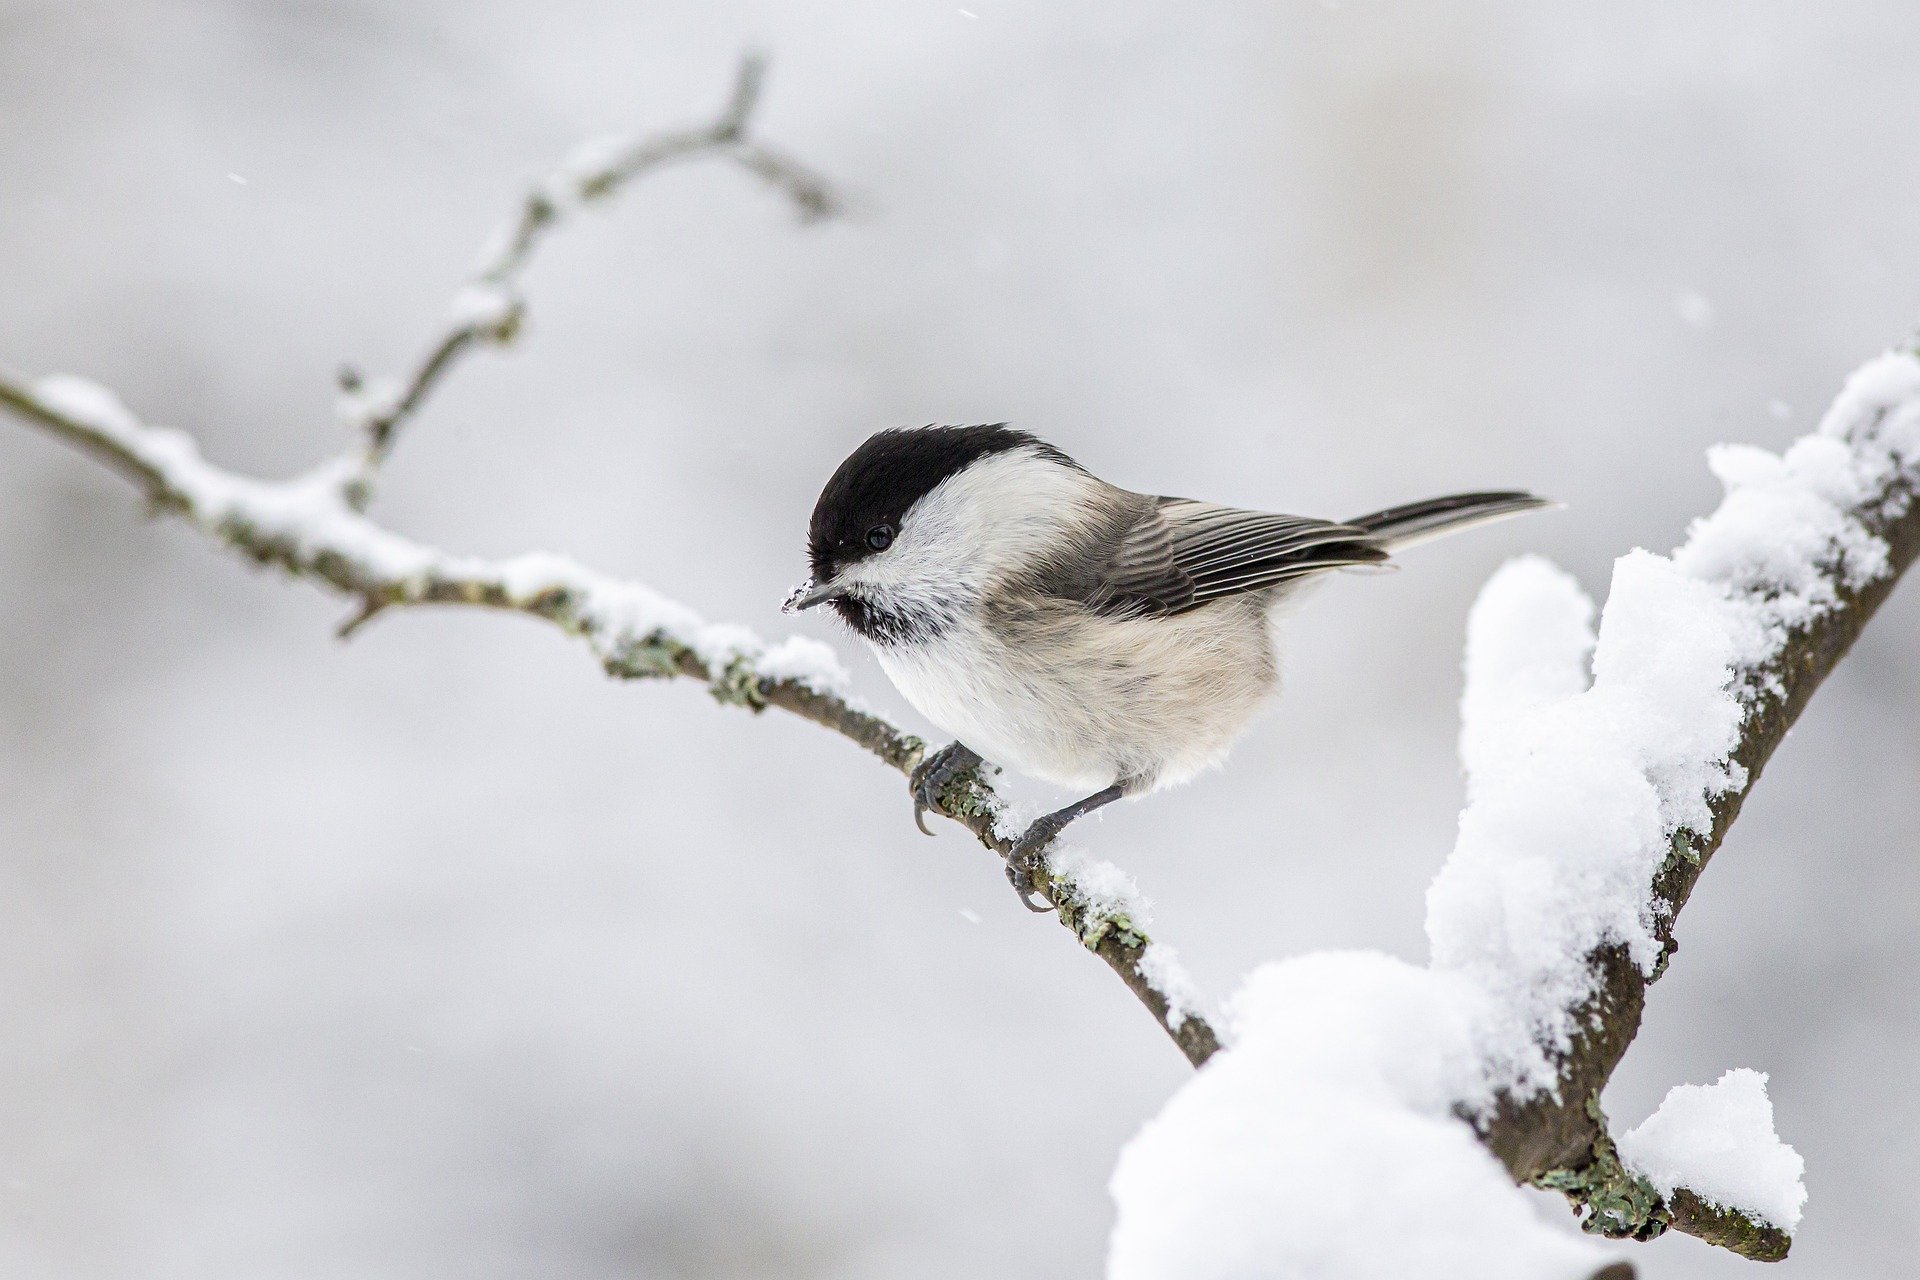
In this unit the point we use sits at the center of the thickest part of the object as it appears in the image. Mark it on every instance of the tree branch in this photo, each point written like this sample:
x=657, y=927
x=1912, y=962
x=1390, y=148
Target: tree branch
x=490, y=311
x=1560, y=1138
x=1603, y=767
x=307, y=528
x=315, y=527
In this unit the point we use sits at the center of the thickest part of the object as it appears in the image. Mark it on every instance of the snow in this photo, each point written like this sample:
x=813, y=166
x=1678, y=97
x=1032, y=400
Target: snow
x=1104, y=889
x=309, y=518
x=1717, y=1141
x=483, y=308
x=1321, y=1145
x=1879, y=409
x=1327, y=1141
x=88, y=402
x=806, y=661
x=1574, y=793
x=1532, y=639
x=1107, y=892
x=792, y=602
x=1576, y=790
x=721, y=644
x=1784, y=522
x=1160, y=966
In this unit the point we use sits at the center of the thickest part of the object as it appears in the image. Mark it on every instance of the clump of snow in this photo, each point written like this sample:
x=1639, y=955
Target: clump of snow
x=1322, y=1144
x=1668, y=651
x=626, y=611
x=1160, y=966
x=1717, y=1141
x=87, y=402
x=805, y=661
x=483, y=308
x=721, y=644
x=1532, y=639
x=1879, y=409
x=1104, y=889
x=533, y=574
x=792, y=603
x=1574, y=793
x=1786, y=526
x=1326, y=1141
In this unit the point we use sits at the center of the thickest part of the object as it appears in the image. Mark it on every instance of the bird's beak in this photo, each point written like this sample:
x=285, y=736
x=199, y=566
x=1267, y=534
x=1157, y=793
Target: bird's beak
x=809, y=594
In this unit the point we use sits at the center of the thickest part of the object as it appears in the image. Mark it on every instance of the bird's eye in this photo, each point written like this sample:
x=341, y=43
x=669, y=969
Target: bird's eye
x=880, y=537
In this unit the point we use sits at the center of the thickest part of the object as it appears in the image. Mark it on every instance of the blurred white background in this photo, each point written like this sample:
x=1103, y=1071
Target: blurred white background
x=438, y=955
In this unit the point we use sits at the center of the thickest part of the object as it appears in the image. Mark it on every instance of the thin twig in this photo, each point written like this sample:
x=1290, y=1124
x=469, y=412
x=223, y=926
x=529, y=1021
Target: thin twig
x=490, y=311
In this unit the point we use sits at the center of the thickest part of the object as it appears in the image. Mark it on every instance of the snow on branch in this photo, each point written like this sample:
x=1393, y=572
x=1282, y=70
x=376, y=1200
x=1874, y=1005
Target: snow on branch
x=1373, y=1115
x=308, y=527
x=315, y=527
x=1717, y=1141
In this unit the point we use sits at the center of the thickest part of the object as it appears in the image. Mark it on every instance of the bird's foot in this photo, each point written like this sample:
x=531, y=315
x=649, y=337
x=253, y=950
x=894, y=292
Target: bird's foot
x=1026, y=862
x=1026, y=859
x=933, y=776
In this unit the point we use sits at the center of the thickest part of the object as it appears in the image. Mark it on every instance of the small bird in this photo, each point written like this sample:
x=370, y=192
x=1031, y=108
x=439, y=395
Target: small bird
x=1087, y=635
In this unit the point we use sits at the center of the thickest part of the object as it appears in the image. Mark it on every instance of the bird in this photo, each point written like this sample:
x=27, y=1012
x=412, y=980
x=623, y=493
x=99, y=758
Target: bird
x=1095, y=638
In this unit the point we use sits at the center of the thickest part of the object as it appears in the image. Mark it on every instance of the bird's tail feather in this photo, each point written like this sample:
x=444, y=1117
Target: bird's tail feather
x=1400, y=527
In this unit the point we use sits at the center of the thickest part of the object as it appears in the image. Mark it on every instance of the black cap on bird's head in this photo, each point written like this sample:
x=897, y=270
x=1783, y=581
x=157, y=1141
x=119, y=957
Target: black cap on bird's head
x=860, y=510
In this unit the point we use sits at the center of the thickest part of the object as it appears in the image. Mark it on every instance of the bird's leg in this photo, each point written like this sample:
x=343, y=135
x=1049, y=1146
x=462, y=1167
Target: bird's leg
x=1024, y=858
x=934, y=775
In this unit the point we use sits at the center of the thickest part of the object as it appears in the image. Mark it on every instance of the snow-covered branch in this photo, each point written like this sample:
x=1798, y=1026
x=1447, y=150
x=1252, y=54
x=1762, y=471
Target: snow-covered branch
x=308, y=527
x=1717, y=651
x=1372, y=1115
x=315, y=527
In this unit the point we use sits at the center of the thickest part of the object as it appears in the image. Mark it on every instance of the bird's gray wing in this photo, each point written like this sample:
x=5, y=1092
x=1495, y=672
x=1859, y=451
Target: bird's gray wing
x=1179, y=554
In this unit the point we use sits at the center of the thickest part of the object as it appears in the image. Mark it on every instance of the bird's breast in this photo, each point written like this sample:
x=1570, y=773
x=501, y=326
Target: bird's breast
x=1083, y=700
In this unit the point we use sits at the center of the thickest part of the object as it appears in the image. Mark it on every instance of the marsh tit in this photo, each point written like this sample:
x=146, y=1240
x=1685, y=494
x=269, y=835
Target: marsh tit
x=1092, y=637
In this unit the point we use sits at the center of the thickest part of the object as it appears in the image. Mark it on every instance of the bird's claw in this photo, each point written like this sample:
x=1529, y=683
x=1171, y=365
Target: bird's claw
x=1024, y=861
x=932, y=776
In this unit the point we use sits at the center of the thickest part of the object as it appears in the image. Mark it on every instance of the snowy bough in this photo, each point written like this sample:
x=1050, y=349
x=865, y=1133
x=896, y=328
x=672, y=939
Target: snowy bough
x=1372, y=1116
x=1368, y=1117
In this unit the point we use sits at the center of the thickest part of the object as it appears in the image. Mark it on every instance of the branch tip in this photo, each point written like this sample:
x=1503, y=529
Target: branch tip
x=370, y=609
x=489, y=311
x=748, y=81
